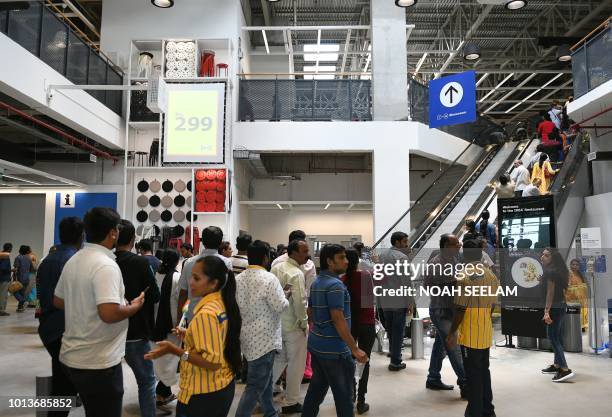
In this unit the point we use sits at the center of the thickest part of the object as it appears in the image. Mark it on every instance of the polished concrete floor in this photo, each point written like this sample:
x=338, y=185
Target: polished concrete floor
x=519, y=388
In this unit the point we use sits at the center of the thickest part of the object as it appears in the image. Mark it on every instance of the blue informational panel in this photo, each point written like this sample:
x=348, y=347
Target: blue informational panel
x=70, y=204
x=452, y=99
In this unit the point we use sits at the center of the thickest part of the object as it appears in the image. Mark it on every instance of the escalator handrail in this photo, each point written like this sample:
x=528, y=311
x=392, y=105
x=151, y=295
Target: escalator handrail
x=439, y=209
x=564, y=180
x=476, y=216
x=420, y=198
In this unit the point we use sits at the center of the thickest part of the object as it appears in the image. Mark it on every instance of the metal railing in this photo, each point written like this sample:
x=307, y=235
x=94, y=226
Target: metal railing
x=484, y=130
x=41, y=32
x=305, y=100
x=592, y=60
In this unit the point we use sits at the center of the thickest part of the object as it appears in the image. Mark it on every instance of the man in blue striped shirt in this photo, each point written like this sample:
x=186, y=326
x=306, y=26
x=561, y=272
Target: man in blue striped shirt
x=330, y=341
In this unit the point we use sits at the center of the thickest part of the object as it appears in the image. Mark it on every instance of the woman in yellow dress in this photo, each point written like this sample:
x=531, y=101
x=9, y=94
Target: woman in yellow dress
x=578, y=292
x=544, y=171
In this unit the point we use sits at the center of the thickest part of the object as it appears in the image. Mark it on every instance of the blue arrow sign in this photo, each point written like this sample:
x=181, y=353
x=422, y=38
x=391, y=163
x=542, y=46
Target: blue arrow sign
x=452, y=99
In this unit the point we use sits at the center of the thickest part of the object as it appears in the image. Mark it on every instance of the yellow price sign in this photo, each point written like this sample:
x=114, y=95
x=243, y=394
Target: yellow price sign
x=194, y=123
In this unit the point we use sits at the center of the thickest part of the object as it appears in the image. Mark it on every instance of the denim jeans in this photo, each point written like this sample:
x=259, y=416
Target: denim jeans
x=395, y=323
x=144, y=373
x=442, y=319
x=364, y=336
x=258, y=387
x=336, y=374
x=480, y=394
x=553, y=332
x=22, y=295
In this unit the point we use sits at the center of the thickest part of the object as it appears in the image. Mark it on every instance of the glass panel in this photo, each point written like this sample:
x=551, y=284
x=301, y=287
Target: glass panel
x=3, y=20
x=78, y=55
x=599, y=55
x=579, y=70
x=114, y=98
x=24, y=27
x=97, y=75
x=54, y=43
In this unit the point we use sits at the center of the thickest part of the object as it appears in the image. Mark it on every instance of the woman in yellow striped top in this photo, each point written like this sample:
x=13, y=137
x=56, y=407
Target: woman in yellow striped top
x=211, y=354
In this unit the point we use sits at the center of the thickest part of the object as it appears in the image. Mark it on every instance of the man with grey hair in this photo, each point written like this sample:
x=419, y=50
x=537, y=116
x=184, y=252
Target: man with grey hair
x=520, y=177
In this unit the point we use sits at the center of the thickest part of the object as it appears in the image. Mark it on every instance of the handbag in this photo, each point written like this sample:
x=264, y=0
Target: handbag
x=15, y=286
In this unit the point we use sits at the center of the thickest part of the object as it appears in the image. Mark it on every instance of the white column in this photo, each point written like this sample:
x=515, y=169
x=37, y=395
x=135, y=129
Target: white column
x=389, y=61
x=391, y=176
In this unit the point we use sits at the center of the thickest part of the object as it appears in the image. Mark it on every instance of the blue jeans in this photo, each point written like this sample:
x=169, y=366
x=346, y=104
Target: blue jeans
x=442, y=319
x=21, y=295
x=258, y=387
x=395, y=323
x=553, y=332
x=336, y=374
x=144, y=373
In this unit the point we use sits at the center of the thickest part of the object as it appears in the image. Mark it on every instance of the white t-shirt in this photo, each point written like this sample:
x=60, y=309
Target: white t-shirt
x=531, y=191
x=90, y=278
x=521, y=178
x=186, y=274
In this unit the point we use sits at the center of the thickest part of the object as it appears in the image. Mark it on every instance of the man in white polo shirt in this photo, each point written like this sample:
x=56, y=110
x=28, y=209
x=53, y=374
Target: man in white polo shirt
x=91, y=292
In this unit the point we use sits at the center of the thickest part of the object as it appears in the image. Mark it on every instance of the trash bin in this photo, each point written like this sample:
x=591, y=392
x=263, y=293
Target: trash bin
x=527, y=342
x=572, y=330
x=544, y=344
x=416, y=338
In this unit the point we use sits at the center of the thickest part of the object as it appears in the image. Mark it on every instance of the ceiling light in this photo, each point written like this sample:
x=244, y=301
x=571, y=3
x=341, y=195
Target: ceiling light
x=405, y=3
x=563, y=53
x=327, y=206
x=279, y=206
x=163, y=4
x=515, y=4
x=265, y=39
x=21, y=179
x=471, y=52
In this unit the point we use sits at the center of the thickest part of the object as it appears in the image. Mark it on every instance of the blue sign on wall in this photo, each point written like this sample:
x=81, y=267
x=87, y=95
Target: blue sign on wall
x=77, y=204
x=452, y=99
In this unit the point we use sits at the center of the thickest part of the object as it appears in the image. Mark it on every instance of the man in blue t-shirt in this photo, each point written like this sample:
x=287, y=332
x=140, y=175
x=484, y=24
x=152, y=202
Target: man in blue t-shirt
x=330, y=342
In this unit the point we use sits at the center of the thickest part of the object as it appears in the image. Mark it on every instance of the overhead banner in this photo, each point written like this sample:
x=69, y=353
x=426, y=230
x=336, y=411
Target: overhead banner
x=526, y=227
x=194, y=123
x=452, y=99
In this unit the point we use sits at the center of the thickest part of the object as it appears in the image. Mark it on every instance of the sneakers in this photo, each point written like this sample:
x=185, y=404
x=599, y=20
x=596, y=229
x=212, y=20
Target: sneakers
x=563, y=376
x=4, y=313
x=552, y=369
x=398, y=367
x=20, y=309
x=292, y=409
x=362, y=408
x=164, y=401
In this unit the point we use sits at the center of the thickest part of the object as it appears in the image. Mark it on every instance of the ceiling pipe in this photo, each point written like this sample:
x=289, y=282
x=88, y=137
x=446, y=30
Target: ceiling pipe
x=66, y=136
x=81, y=16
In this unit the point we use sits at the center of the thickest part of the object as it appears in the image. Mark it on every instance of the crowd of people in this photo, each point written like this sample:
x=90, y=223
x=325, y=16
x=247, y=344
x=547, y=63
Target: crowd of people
x=553, y=132
x=272, y=323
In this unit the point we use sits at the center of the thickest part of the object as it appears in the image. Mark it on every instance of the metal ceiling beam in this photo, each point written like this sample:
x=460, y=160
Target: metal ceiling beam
x=468, y=35
x=265, y=8
x=247, y=11
x=347, y=42
x=37, y=134
x=514, y=90
x=546, y=97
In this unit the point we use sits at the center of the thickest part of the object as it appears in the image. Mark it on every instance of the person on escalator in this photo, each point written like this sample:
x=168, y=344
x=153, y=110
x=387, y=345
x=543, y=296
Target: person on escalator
x=545, y=128
x=544, y=171
x=488, y=231
x=553, y=145
x=505, y=189
x=533, y=189
x=521, y=178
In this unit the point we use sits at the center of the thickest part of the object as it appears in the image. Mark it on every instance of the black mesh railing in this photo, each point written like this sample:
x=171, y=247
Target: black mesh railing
x=305, y=100
x=592, y=62
x=483, y=130
x=42, y=33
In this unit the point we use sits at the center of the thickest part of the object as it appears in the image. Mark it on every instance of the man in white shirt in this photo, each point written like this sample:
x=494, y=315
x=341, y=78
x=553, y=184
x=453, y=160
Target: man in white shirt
x=533, y=189
x=556, y=114
x=520, y=177
x=261, y=300
x=90, y=290
x=240, y=261
x=212, y=237
x=294, y=324
x=309, y=269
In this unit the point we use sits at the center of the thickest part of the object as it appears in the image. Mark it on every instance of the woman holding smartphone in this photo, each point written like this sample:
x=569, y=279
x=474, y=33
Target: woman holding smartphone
x=211, y=354
x=555, y=281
